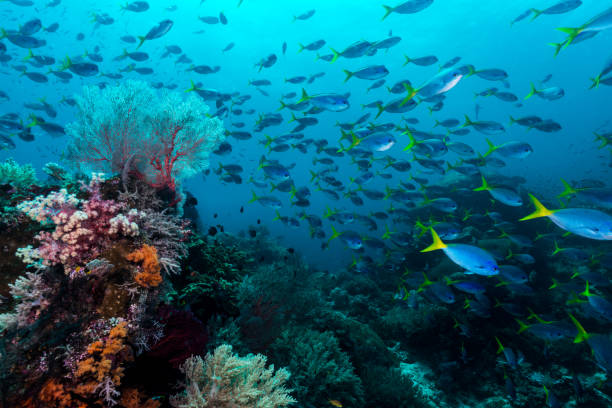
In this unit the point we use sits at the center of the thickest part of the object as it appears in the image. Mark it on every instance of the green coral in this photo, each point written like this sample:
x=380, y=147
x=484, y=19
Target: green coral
x=17, y=176
x=320, y=370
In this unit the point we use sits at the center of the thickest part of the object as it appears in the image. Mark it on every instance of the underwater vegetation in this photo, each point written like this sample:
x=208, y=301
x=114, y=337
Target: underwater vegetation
x=334, y=204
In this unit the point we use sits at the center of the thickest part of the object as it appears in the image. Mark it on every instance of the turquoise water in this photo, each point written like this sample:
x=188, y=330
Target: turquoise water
x=373, y=276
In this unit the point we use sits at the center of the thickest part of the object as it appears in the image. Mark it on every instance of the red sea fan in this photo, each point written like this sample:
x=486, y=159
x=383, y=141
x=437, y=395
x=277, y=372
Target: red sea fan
x=129, y=127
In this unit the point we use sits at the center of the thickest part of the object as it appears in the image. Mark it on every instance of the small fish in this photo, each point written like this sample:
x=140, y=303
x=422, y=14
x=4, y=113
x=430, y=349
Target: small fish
x=585, y=222
x=158, y=31
x=550, y=94
x=371, y=73
x=408, y=7
x=473, y=259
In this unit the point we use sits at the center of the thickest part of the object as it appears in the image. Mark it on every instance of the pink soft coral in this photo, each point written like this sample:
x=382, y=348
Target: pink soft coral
x=83, y=228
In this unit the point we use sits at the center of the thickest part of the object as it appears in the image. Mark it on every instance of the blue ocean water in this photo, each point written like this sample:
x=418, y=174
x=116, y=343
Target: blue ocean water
x=478, y=32
x=377, y=229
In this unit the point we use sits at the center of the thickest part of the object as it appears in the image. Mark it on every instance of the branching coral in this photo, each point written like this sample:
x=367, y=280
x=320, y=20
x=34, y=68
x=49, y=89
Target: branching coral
x=225, y=380
x=150, y=275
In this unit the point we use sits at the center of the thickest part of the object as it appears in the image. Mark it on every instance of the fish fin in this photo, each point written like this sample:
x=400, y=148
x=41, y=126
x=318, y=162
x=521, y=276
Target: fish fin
x=468, y=122
x=569, y=190
x=411, y=93
x=540, y=211
x=500, y=348
x=305, y=96
x=595, y=81
x=142, y=40
x=582, y=334
x=522, y=326
x=255, y=198
x=278, y=216
x=336, y=55
x=348, y=74
x=193, y=87
x=380, y=108
x=408, y=60
x=571, y=32
x=536, y=13
x=301, y=47
x=437, y=242
x=558, y=47
x=335, y=234
x=532, y=92
x=484, y=186
x=412, y=143
x=283, y=106
x=492, y=148
x=586, y=292
x=388, y=10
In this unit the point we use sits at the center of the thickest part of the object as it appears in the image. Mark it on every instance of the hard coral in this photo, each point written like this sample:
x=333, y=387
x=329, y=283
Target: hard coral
x=150, y=275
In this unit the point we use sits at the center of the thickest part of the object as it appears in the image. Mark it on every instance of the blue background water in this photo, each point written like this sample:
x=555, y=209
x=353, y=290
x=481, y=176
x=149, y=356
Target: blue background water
x=478, y=31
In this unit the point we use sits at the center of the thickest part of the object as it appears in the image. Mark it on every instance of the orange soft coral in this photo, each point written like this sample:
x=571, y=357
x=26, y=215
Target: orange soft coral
x=150, y=276
x=102, y=361
x=130, y=398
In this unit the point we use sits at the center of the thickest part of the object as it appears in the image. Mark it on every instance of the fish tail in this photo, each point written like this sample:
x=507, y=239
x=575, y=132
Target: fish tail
x=301, y=47
x=468, y=122
x=437, y=242
x=336, y=55
x=533, y=92
x=388, y=10
x=283, y=105
x=582, y=334
x=536, y=13
x=408, y=60
x=305, y=96
x=335, y=234
x=540, y=211
x=293, y=118
x=500, y=347
x=255, y=198
x=556, y=249
x=3, y=33
x=512, y=120
x=485, y=186
x=411, y=93
x=595, y=81
x=29, y=56
x=380, y=108
x=569, y=190
x=348, y=74
x=142, y=40
x=558, y=47
x=586, y=292
x=412, y=143
x=278, y=216
x=522, y=326
x=492, y=148
x=571, y=32
x=193, y=87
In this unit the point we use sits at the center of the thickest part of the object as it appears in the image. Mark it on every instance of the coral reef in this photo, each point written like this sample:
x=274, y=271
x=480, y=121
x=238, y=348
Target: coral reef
x=225, y=380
